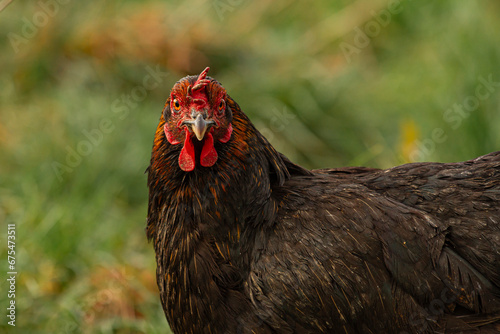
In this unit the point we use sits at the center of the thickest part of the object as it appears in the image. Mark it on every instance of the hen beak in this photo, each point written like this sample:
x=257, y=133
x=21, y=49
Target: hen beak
x=199, y=126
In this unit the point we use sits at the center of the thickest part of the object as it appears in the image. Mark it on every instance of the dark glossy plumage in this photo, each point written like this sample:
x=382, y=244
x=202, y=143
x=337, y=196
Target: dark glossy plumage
x=257, y=244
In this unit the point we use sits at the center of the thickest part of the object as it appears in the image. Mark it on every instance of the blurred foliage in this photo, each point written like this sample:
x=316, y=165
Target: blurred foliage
x=329, y=83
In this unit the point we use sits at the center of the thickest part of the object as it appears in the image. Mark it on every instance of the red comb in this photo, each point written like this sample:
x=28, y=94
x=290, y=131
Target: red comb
x=194, y=92
x=201, y=81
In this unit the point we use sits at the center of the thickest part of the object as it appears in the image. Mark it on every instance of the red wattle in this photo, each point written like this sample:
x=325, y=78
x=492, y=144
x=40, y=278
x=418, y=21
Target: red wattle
x=170, y=137
x=186, y=158
x=208, y=154
x=227, y=135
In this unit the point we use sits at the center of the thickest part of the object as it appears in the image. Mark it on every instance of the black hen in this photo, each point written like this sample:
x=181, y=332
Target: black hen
x=248, y=242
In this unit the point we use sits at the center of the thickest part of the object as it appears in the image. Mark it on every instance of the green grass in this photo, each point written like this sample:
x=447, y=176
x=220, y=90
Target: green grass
x=83, y=260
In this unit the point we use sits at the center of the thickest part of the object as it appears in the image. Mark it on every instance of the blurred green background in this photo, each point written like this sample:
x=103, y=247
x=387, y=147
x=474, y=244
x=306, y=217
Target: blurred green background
x=375, y=83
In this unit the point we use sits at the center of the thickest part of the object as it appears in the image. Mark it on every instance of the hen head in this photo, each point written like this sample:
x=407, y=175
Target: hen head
x=196, y=116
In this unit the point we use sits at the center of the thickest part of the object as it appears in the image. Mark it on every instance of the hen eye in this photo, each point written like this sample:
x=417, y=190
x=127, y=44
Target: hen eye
x=177, y=105
x=222, y=106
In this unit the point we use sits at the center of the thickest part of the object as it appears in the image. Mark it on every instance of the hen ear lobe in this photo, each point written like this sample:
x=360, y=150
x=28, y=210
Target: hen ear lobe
x=166, y=110
x=229, y=113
